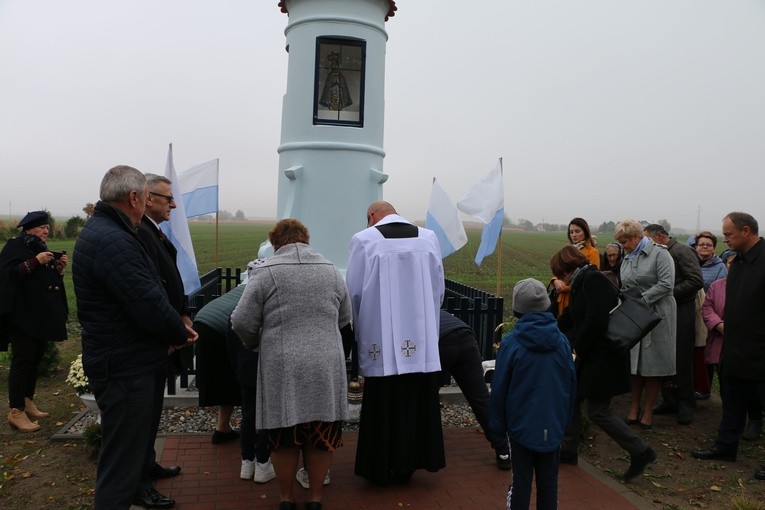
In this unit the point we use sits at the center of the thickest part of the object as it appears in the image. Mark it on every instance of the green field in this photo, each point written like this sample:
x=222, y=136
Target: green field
x=524, y=254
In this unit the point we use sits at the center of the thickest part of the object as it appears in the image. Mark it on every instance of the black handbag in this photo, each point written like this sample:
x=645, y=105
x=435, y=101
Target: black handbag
x=631, y=320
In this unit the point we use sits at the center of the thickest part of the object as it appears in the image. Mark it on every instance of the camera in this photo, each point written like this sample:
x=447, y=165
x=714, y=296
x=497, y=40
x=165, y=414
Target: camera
x=58, y=254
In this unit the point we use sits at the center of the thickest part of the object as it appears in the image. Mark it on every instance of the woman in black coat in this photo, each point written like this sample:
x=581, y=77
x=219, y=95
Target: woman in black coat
x=602, y=372
x=33, y=311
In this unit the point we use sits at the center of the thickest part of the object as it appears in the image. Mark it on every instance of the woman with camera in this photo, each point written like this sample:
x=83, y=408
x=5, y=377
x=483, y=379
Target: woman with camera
x=33, y=312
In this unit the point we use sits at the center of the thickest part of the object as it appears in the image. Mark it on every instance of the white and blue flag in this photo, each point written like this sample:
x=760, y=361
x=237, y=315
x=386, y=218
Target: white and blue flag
x=444, y=219
x=200, y=189
x=177, y=230
x=485, y=200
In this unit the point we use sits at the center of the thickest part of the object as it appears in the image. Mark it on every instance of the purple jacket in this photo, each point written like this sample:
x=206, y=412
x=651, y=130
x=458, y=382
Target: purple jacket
x=712, y=312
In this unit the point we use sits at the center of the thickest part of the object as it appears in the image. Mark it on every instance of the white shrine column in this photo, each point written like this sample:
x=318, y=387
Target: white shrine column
x=331, y=152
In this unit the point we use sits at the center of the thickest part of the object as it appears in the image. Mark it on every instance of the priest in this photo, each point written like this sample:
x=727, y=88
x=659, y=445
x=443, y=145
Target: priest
x=396, y=282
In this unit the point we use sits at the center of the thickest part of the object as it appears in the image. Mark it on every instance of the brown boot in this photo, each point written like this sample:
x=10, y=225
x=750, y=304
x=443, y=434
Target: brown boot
x=18, y=420
x=31, y=409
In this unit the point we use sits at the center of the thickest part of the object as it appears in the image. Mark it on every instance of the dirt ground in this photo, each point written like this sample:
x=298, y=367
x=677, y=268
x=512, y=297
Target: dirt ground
x=36, y=472
x=677, y=480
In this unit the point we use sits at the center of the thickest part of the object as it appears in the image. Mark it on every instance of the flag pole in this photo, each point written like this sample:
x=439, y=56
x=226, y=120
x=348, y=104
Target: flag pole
x=217, y=254
x=217, y=232
x=499, y=242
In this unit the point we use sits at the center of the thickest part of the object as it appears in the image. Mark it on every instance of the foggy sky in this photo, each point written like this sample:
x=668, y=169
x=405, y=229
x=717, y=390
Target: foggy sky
x=602, y=109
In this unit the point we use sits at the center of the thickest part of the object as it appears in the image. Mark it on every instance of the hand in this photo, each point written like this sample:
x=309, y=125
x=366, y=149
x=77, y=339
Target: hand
x=560, y=285
x=721, y=328
x=62, y=262
x=44, y=257
x=191, y=336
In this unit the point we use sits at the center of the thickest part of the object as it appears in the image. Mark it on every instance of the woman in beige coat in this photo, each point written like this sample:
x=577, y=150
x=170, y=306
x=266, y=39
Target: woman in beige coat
x=649, y=267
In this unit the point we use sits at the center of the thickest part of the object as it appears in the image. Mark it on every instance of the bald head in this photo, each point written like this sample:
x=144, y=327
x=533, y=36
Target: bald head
x=378, y=210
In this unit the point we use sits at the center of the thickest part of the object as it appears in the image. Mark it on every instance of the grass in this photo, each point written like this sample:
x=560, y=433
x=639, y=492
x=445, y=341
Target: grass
x=524, y=255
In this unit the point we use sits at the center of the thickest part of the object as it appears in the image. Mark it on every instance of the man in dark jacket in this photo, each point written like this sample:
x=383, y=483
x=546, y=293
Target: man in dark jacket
x=128, y=329
x=459, y=354
x=159, y=204
x=742, y=361
x=688, y=281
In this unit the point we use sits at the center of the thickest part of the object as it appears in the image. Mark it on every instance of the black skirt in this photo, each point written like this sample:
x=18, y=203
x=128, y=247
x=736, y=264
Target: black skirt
x=216, y=380
x=400, y=428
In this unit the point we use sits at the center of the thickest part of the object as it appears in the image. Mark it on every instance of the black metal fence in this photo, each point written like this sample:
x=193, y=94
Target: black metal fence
x=478, y=309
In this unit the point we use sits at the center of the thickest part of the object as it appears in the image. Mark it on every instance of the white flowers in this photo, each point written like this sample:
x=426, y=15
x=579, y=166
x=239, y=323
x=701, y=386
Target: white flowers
x=77, y=377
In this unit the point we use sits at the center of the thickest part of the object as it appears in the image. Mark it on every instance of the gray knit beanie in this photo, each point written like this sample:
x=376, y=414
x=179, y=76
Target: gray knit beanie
x=530, y=295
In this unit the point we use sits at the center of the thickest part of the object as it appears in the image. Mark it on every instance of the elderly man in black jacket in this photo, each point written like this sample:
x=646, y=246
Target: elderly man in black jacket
x=128, y=329
x=742, y=362
x=688, y=281
x=159, y=205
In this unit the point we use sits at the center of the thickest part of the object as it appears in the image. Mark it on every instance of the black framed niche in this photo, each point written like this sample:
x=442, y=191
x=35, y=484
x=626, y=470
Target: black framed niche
x=338, y=97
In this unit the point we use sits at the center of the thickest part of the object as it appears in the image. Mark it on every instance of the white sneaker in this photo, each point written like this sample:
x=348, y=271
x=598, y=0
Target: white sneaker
x=264, y=472
x=302, y=477
x=248, y=469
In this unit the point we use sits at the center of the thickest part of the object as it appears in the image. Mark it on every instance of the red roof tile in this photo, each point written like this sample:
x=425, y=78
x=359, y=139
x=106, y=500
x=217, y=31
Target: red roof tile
x=391, y=11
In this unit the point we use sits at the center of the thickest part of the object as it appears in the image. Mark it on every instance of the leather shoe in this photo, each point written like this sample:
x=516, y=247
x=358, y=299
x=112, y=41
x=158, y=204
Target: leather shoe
x=219, y=437
x=638, y=463
x=160, y=472
x=151, y=498
x=684, y=417
x=760, y=475
x=664, y=408
x=714, y=453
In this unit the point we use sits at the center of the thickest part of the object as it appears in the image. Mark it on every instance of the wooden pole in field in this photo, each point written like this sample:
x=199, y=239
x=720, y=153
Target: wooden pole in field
x=499, y=240
x=217, y=239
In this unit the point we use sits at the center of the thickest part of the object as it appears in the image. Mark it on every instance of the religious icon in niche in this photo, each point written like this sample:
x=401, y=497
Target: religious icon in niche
x=339, y=82
x=335, y=94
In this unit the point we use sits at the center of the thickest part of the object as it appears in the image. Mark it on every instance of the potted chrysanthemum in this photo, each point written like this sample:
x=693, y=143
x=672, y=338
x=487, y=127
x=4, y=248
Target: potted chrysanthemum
x=79, y=381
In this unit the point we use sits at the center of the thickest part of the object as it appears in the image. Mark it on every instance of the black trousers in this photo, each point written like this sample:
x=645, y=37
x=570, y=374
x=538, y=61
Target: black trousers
x=526, y=465
x=150, y=461
x=681, y=395
x=599, y=413
x=127, y=410
x=737, y=397
x=458, y=352
x=27, y=352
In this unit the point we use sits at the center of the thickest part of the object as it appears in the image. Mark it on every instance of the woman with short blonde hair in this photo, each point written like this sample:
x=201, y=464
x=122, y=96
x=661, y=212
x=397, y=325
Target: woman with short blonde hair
x=649, y=267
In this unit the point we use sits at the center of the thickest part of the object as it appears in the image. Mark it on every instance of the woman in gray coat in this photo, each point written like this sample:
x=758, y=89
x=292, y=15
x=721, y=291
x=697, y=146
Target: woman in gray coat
x=649, y=267
x=294, y=306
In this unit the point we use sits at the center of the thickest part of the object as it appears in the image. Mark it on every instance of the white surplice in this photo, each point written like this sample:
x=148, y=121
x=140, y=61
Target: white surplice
x=396, y=287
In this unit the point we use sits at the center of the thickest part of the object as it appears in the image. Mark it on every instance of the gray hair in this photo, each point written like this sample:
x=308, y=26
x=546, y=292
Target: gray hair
x=120, y=181
x=153, y=179
x=628, y=228
x=742, y=219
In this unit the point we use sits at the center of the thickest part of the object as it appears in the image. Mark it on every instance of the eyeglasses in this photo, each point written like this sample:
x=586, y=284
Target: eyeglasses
x=705, y=245
x=169, y=198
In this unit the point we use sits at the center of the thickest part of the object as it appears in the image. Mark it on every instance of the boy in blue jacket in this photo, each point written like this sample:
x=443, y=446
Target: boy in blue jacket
x=532, y=396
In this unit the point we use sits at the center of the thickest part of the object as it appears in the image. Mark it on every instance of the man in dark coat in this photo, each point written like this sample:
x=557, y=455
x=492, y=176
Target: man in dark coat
x=159, y=204
x=459, y=355
x=688, y=281
x=128, y=329
x=742, y=361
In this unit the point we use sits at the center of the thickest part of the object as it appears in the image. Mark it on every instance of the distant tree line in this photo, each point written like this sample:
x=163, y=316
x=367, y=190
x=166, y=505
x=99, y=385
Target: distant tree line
x=605, y=227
